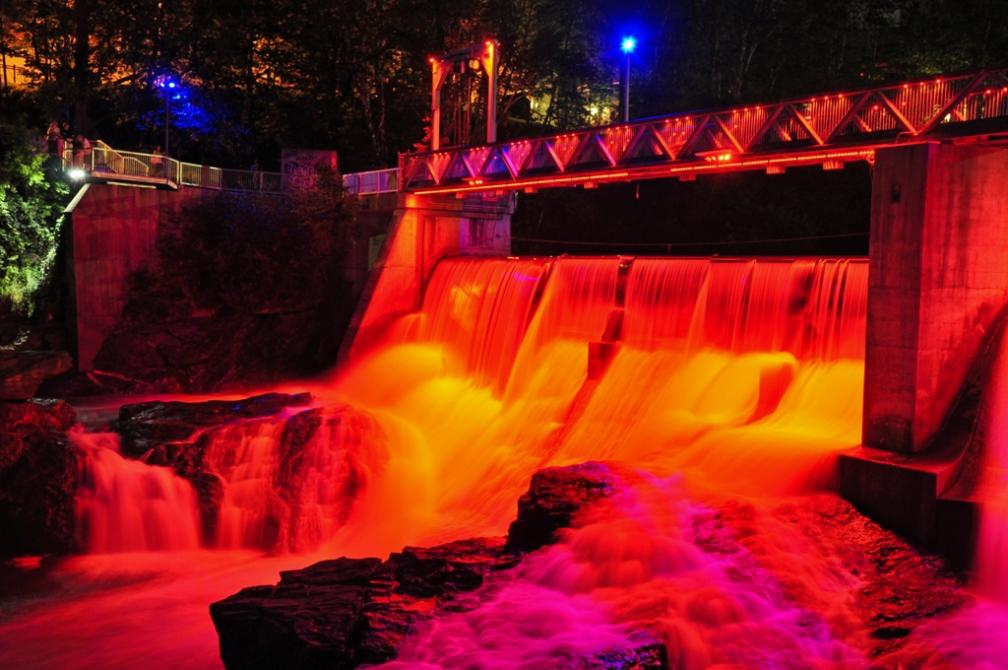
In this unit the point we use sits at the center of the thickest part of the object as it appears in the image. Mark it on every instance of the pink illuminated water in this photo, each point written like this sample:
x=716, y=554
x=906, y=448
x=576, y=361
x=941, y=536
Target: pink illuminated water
x=992, y=543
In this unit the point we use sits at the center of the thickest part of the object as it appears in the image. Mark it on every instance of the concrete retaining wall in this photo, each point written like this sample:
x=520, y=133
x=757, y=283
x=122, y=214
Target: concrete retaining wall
x=938, y=278
x=113, y=229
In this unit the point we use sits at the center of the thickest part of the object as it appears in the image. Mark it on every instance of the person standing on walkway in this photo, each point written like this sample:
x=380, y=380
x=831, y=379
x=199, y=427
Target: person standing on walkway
x=157, y=161
x=53, y=138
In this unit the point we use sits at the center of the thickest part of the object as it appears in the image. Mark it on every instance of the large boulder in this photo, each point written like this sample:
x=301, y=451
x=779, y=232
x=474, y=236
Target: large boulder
x=346, y=612
x=160, y=431
x=554, y=497
x=191, y=437
x=39, y=472
x=326, y=458
x=23, y=372
x=319, y=462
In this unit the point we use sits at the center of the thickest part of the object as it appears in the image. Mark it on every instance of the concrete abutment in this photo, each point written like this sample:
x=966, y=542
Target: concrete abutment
x=938, y=282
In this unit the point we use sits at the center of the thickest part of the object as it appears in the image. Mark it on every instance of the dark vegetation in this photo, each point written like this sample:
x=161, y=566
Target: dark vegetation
x=353, y=76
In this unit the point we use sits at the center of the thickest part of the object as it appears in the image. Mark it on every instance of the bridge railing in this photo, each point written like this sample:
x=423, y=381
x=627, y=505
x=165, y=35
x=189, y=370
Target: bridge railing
x=827, y=128
x=103, y=161
x=372, y=182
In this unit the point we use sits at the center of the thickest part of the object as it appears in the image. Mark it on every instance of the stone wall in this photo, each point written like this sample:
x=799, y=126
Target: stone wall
x=113, y=229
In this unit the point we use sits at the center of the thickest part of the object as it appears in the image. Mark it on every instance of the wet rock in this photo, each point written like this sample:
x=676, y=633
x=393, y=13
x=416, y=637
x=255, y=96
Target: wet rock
x=38, y=477
x=156, y=426
x=648, y=655
x=23, y=372
x=344, y=612
x=449, y=568
x=323, y=457
x=341, y=444
x=899, y=588
x=308, y=620
x=555, y=495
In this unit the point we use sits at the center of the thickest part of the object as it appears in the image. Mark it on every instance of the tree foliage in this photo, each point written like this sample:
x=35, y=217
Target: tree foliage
x=354, y=76
x=31, y=206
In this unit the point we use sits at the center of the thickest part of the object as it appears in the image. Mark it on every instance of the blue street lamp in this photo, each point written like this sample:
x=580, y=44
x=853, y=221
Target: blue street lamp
x=627, y=45
x=167, y=84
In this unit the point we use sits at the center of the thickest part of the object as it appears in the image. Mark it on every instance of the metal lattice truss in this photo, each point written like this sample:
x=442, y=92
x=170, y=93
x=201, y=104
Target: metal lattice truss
x=826, y=129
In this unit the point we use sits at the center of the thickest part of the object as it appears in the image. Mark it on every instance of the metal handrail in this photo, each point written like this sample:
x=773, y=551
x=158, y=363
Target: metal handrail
x=102, y=160
x=372, y=182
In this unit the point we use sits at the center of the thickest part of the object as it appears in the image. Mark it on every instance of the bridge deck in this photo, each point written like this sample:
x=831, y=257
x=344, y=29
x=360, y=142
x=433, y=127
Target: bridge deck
x=827, y=129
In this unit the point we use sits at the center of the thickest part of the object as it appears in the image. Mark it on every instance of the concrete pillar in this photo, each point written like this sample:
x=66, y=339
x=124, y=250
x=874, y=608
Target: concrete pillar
x=425, y=230
x=938, y=277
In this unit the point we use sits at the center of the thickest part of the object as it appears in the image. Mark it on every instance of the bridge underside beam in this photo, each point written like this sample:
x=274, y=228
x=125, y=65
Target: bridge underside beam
x=773, y=164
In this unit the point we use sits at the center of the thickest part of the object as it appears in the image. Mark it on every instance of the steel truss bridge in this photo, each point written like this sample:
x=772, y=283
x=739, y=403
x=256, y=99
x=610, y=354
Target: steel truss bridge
x=828, y=130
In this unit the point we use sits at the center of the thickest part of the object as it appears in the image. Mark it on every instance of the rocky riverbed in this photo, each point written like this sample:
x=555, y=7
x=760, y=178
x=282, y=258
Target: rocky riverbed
x=603, y=566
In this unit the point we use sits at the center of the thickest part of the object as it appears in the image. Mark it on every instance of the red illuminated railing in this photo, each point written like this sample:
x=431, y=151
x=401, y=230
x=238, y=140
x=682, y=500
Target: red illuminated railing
x=828, y=129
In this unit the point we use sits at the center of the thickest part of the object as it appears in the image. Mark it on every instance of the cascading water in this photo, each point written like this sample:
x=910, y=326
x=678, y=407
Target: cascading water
x=246, y=456
x=479, y=309
x=125, y=505
x=713, y=375
x=723, y=367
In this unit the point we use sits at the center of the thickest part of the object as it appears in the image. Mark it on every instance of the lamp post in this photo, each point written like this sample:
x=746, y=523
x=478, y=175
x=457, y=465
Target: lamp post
x=168, y=84
x=627, y=45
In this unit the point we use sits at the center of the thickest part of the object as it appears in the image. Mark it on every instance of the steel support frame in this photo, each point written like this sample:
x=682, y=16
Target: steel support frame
x=824, y=128
x=487, y=55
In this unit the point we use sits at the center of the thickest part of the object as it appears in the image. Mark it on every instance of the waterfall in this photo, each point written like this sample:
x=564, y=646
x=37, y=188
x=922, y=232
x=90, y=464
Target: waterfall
x=127, y=505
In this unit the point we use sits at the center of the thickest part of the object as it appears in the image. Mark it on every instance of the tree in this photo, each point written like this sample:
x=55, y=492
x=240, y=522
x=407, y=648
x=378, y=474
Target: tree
x=353, y=75
x=31, y=206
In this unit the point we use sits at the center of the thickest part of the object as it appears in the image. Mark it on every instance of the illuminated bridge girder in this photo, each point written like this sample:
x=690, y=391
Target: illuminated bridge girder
x=826, y=129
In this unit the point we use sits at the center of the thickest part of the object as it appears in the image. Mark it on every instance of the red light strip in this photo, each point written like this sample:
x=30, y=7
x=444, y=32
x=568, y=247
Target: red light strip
x=654, y=172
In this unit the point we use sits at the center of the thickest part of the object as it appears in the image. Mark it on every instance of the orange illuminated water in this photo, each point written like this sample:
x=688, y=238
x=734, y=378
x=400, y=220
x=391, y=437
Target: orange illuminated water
x=711, y=378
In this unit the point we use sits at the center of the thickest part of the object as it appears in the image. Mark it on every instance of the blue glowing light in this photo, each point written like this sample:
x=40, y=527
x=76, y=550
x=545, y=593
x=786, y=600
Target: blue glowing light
x=628, y=44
